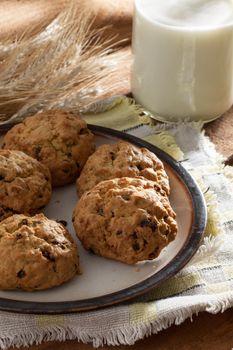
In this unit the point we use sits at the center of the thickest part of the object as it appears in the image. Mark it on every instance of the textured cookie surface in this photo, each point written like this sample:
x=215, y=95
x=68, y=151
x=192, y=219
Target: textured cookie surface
x=25, y=184
x=58, y=139
x=36, y=253
x=125, y=219
x=121, y=159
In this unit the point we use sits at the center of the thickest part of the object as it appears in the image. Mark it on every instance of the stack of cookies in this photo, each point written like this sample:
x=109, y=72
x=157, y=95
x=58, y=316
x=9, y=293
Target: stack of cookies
x=123, y=212
x=47, y=150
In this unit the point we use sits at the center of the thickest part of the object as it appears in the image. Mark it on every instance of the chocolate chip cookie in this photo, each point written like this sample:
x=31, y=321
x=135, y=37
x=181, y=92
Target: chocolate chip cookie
x=36, y=253
x=122, y=159
x=58, y=139
x=25, y=184
x=125, y=219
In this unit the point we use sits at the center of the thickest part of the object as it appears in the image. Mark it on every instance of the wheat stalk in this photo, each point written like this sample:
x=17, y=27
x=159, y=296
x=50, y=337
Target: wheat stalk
x=63, y=66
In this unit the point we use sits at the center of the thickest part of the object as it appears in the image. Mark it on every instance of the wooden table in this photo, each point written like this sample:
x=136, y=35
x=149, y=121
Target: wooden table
x=214, y=332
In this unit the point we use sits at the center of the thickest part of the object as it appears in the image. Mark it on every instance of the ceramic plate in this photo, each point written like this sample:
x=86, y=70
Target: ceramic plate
x=105, y=282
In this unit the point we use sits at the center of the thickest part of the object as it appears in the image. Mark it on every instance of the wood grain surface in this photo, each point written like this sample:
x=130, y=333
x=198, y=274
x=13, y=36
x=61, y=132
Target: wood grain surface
x=214, y=332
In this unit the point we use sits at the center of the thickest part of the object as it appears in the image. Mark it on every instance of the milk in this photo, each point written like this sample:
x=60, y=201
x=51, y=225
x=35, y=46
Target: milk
x=183, y=58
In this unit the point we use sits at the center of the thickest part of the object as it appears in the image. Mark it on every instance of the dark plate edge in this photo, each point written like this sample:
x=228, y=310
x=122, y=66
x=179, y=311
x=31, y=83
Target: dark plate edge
x=174, y=266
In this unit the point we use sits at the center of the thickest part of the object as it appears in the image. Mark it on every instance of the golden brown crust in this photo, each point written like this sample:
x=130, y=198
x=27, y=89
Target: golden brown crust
x=125, y=219
x=36, y=253
x=121, y=159
x=56, y=138
x=25, y=184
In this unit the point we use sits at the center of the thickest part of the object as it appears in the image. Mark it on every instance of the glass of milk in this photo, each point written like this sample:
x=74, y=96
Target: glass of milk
x=183, y=58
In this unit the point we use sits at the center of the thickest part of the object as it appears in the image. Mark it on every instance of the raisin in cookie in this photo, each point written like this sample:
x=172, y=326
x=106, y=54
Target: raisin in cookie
x=25, y=184
x=36, y=253
x=125, y=219
x=58, y=139
x=121, y=160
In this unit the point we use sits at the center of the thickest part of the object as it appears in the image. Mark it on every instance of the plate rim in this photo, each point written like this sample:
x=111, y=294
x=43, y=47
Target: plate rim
x=174, y=266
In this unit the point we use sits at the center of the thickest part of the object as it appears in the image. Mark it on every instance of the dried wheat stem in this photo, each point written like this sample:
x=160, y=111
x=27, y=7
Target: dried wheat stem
x=63, y=66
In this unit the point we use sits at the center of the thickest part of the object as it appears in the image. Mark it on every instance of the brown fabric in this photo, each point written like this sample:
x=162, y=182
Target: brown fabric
x=16, y=17
x=220, y=132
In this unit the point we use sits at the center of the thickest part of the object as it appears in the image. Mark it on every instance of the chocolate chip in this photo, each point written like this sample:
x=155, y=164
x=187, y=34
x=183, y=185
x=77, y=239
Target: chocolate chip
x=100, y=211
x=91, y=251
x=112, y=214
x=21, y=274
x=66, y=171
x=113, y=156
x=83, y=131
x=136, y=246
x=167, y=232
x=1, y=177
x=145, y=222
x=134, y=235
x=126, y=197
x=55, y=242
x=140, y=168
x=152, y=256
x=48, y=256
x=77, y=165
x=18, y=236
x=24, y=222
x=149, y=223
x=153, y=226
x=229, y=161
x=62, y=222
x=34, y=223
x=37, y=151
x=119, y=232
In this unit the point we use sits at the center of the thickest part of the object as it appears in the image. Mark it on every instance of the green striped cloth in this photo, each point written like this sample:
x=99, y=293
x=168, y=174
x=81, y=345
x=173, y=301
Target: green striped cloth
x=205, y=284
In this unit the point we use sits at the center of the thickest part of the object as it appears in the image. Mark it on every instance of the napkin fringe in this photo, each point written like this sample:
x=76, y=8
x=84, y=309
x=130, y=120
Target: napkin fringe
x=124, y=335
x=166, y=142
x=209, y=247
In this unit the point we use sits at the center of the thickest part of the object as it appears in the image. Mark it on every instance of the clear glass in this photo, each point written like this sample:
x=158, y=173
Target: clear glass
x=181, y=72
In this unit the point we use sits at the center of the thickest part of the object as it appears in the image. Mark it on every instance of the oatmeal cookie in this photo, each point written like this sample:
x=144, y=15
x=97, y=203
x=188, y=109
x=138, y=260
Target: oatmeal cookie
x=121, y=159
x=36, y=253
x=25, y=184
x=58, y=139
x=125, y=219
